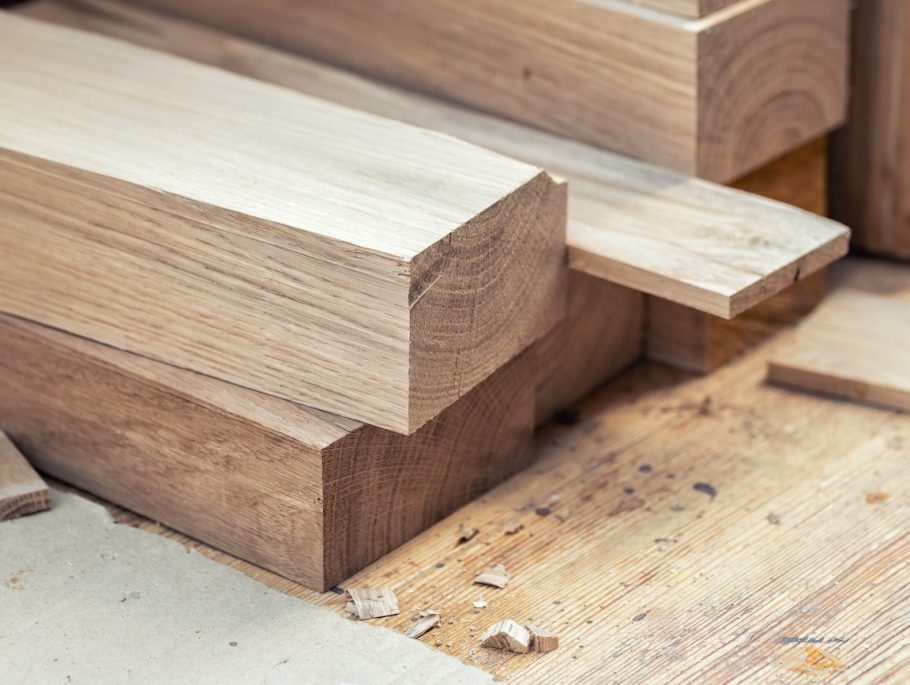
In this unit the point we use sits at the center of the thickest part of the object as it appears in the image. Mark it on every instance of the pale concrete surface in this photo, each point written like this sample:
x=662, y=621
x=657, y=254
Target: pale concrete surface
x=83, y=600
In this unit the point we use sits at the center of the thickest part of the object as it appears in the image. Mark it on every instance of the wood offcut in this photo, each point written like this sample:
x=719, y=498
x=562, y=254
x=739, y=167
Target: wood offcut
x=22, y=490
x=509, y=635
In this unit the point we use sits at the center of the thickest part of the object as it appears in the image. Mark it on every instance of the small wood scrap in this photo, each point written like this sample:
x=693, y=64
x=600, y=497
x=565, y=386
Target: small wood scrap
x=22, y=491
x=853, y=346
x=427, y=621
x=507, y=634
x=479, y=604
x=466, y=534
x=496, y=577
x=562, y=514
x=372, y=602
x=513, y=527
x=542, y=640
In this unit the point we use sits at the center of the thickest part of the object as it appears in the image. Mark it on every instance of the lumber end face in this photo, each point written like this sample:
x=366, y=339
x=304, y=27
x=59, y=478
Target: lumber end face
x=489, y=291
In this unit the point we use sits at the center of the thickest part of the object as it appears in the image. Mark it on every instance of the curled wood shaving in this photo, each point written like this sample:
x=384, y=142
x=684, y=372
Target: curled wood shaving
x=507, y=634
x=496, y=576
x=372, y=602
x=423, y=625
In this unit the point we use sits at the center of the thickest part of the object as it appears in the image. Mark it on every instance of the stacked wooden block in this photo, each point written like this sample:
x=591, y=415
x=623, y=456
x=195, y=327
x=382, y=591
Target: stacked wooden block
x=283, y=314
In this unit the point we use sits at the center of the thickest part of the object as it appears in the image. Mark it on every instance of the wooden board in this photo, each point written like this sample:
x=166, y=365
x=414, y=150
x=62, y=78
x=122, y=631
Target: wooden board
x=794, y=571
x=855, y=345
x=870, y=156
x=692, y=340
x=262, y=236
x=307, y=494
x=695, y=243
x=716, y=97
x=21, y=489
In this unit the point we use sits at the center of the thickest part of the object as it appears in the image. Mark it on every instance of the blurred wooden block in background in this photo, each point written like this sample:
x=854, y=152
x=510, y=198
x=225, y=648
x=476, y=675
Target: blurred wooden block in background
x=312, y=496
x=870, y=156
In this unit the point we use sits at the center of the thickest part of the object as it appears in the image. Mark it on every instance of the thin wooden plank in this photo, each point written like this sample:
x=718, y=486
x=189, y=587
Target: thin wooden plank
x=307, y=494
x=692, y=340
x=855, y=345
x=660, y=232
x=22, y=491
x=714, y=97
x=870, y=156
x=261, y=236
x=802, y=549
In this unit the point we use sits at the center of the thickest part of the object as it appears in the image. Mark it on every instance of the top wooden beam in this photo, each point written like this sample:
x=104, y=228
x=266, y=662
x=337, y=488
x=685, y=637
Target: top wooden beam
x=267, y=238
x=690, y=241
x=714, y=97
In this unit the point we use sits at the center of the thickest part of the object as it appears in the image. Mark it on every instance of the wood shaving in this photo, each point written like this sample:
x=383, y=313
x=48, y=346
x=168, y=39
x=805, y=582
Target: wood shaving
x=507, y=634
x=562, y=514
x=496, y=577
x=542, y=640
x=467, y=533
x=422, y=625
x=480, y=604
x=372, y=602
x=513, y=527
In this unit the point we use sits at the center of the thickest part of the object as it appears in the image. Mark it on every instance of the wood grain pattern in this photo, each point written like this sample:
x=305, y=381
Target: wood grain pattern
x=855, y=344
x=667, y=584
x=660, y=232
x=21, y=489
x=715, y=97
x=692, y=340
x=870, y=156
x=262, y=236
x=307, y=494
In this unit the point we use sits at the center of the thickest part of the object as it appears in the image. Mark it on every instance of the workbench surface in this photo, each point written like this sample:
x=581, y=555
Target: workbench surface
x=713, y=529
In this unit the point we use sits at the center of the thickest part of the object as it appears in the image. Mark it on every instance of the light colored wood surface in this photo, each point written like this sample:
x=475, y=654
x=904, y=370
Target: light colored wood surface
x=310, y=495
x=803, y=550
x=692, y=340
x=601, y=334
x=261, y=236
x=693, y=242
x=21, y=489
x=856, y=345
x=870, y=156
x=715, y=97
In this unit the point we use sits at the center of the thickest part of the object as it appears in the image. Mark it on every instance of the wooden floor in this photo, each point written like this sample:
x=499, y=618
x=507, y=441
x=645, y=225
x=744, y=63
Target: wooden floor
x=719, y=530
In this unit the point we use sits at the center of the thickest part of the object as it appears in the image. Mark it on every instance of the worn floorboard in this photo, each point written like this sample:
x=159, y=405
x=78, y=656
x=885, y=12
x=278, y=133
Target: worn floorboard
x=718, y=529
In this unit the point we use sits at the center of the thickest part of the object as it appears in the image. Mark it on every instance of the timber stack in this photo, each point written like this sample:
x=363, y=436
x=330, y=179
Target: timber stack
x=300, y=279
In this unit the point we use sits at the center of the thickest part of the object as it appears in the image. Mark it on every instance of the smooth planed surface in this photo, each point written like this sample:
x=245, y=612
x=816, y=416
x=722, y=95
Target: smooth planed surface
x=693, y=242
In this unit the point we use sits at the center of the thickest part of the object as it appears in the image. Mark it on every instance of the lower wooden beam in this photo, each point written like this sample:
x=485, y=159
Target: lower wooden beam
x=307, y=494
x=600, y=336
x=694, y=341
